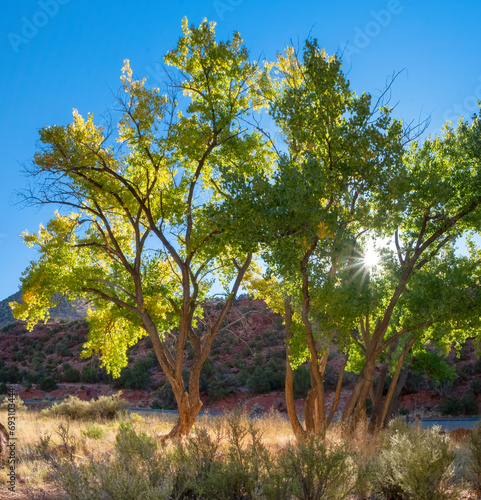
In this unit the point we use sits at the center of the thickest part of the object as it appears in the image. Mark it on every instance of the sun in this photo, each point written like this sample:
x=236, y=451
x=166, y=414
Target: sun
x=371, y=255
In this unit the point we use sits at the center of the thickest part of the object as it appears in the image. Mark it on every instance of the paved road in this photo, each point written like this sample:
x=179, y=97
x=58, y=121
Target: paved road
x=446, y=424
x=450, y=424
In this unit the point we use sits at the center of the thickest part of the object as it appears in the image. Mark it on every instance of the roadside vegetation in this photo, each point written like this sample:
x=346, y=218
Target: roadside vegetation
x=126, y=457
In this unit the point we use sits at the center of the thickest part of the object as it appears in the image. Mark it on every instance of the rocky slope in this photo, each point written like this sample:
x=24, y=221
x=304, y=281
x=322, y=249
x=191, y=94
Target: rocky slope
x=246, y=367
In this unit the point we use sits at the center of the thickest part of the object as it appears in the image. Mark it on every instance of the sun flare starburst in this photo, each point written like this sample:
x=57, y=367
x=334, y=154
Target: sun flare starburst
x=371, y=256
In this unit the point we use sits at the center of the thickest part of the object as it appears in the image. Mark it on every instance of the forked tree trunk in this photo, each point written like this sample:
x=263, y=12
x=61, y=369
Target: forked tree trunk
x=355, y=408
x=189, y=402
x=187, y=416
x=376, y=419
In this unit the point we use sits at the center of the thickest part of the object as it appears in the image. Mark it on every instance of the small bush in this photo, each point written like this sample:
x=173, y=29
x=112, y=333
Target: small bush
x=464, y=371
x=134, y=471
x=240, y=473
x=47, y=384
x=72, y=407
x=415, y=464
x=93, y=431
x=468, y=405
x=165, y=398
x=106, y=407
x=136, y=377
x=89, y=375
x=475, y=386
x=464, y=352
x=477, y=365
x=17, y=402
x=3, y=388
x=451, y=406
x=70, y=375
x=310, y=470
x=258, y=382
x=302, y=382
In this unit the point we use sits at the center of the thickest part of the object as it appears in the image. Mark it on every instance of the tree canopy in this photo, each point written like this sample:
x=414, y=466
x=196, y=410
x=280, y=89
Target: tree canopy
x=189, y=189
x=136, y=236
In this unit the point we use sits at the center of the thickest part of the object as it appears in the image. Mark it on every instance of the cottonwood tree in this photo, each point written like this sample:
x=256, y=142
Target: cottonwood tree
x=433, y=295
x=341, y=151
x=423, y=292
x=136, y=235
x=346, y=177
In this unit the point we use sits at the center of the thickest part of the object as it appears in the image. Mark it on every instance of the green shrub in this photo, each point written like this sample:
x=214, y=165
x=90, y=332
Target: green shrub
x=201, y=472
x=3, y=388
x=464, y=371
x=467, y=405
x=47, y=384
x=463, y=353
x=165, y=398
x=89, y=375
x=302, y=382
x=64, y=351
x=72, y=408
x=136, y=377
x=93, y=431
x=470, y=404
x=18, y=356
x=157, y=404
x=477, y=365
x=108, y=407
x=310, y=470
x=475, y=386
x=258, y=382
x=70, y=375
x=216, y=382
x=415, y=464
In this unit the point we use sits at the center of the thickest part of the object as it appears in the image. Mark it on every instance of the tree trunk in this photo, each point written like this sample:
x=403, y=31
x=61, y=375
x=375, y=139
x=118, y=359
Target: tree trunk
x=395, y=379
x=309, y=411
x=296, y=425
x=393, y=406
x=376, y=418
x=358, y=397
x=377, y=400
x=338, y=392
x=187, y=416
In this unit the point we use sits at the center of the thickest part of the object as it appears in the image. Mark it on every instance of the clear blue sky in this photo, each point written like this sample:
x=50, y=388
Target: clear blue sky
x=61, y=54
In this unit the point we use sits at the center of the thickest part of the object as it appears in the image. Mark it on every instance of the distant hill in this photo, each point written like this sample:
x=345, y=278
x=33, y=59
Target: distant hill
x=246, y=367
x=66, y=310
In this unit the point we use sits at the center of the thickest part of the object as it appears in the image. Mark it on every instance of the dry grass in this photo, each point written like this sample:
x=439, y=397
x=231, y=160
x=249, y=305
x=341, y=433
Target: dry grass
x=96, y=440
x=31, y=471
